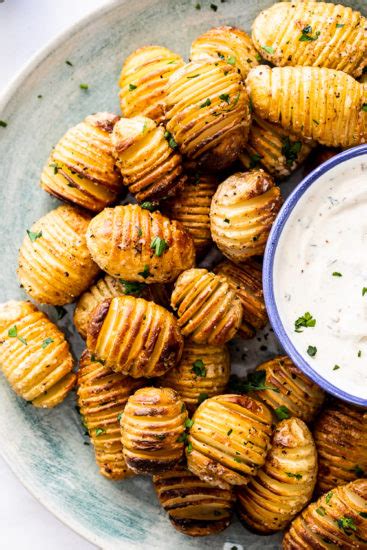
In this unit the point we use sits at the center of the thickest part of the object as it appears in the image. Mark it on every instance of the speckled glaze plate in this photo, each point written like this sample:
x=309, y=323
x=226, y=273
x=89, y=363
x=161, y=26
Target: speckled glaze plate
x=45, y=448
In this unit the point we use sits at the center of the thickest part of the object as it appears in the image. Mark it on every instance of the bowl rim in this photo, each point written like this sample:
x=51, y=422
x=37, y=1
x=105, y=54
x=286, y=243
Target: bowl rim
x=268, y=273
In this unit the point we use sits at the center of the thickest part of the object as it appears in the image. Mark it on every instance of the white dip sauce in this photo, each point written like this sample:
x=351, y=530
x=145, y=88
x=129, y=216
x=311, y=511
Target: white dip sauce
x=320, y=267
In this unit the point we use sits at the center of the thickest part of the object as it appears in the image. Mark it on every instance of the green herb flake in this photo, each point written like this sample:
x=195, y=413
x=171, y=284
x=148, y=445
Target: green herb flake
x=254, y=160
x=3, y=124
x=231, y=60
x=188, y=423
x=133, y=288
x=363, y=515
x=46, y=342
x=183, y=408
x=34, y=236
x=83, y=86
x=182, y=438
x=225, y=97
x=296, y=476
x=198, y=6
x=358, y=471
x=39, y=96
x=346, y=524
x=328, y=497
x=282, y=412
x=151, y=206
x=69, y=63
x=145, y=273
x=206, y=103
x=119, y=416
x=160, y=436
x=13, y=333
x=189, y=448
x=132, y=87
x=337, y=274
x=237, y=459
x=307, y=35
x=171, y=141
x=305, y=321
x=290, y=150
x=312, y=350
x=60, y=312
x=258, y=57
x=229, y=432
x=321, y=511
x=198, y=368
x=256, y=381
x=339, y=25
x=359, y=354
x=202, y=397
x=268, y=49
x=213, y=7
x=100, y=431
x=159, y=246
x=364, y=290
x=364, y=107
x=336, y=367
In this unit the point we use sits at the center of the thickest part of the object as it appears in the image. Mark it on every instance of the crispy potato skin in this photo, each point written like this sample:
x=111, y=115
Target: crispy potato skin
x=324, y=524
x=246, y=281
x=341, y=439
x=229, y=440
x=230, y=44
x=143, y=81
x=316, y=104
x=120, y=240
x=315, y=34
x=208, y=310
x=242, y=212
x=284, y=485
x=209, y=379
x=194, y=507
x=207, y=112
x=298, y=393
x=150, y=167
x=134, y=337
x=57, y=267
x=81, y=168
x=102, y=396
x=36, y=360
x=152, y=428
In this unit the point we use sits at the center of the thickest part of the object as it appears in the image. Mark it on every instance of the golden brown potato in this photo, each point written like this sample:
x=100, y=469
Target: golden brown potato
x=34, y=355
x=341, y=439
x=315, y=34
x=143, y=81
x=242, y=212
x=102, y=395
x=229, y=44
x=338, y=520
x=139, y=246
x=135, y=337
x=194, y=507
x=202, y=372
x=294, y=394
x=279, y=152
x=55, y=265
x=228, y=440
x=81, y=168
x=153, y=430
x=149, y=163
x=191, y=207
x=208, y=310
x=246, y=281
x=316, y=104
x=207, y=113
x=284, y=485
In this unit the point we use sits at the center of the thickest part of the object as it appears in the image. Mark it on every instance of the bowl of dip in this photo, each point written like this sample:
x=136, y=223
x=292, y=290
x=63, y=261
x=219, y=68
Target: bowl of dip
x=315, y=275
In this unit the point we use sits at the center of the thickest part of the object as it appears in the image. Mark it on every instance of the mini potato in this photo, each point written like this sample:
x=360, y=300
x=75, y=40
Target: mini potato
x=296, y=394
x=153, y=430
x=143, y=81
x=102, y=395
x=194, y=507
x=202, y=372
x=228, y=440
x=81, y=168
x=150, y=166
x=229, y=44
x=315, y=34
x=341, y=439
x=246, y=281
x=316, y=104
x=208, y=310
x=55, y=265
x=336, y=520
x=242, y=212
x=34, y=355
x=135, y=337
x=207, y=113
x=284, y=485
x=272, y=147
x=139, y=246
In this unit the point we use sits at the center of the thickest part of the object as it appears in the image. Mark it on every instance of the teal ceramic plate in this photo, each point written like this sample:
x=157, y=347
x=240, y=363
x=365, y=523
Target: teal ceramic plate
x=46, y=448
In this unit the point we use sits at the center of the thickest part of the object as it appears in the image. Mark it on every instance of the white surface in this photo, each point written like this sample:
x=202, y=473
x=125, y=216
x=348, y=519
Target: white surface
x=25, y=27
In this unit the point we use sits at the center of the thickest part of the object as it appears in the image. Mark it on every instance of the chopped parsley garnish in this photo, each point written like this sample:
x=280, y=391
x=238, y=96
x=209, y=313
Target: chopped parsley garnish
x=34, y=236
x=46, y=342
x=225, y=97
x=188, y=423
x=183, y=407
x=256, y=381
x=160, y=436
x=151, y=206
x=100, y=431
x=39, y=96
x=254, y=160
x=83, y=86
x=307, y=35
x=132, y=87
x=69, y=63
x=229, y=432
x=133, y=288
x=198, y=368
x=346, y=524
x=237, y=459
x=358, y=471
x=364, y=107
x=206, y=103
x=359, y=353
x=60, y=312
x=13, y=333
x=231, y=60
x=213, y=7
x=337, y=274
x=297, y=476
x=159, y=246
x=339, y=25
x=119, y=416
x=364, y=291
x=336, y=367
x=202, y=397
x=363, y=515
x=328, y=497
x=305, y=321
x=282, y=412
x=268, y=49
x=189, y=447
x=290, y=150
x=181, y=438
x=321, y=511
x=145, y=273
x=226, y=220
x=171, y=141
x=197, y=6
x=258, y=57
x=3, y=124
x=312, y=350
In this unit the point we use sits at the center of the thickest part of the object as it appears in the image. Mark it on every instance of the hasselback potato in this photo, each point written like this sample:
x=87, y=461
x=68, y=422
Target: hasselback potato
x=207, y=113
x=202, y=372
x=153, y=430
x=242, y=212
x=284, y=485
x=229, y=44
x=336, y=520
x=139, y=246
x=135, y=337
x=228, y=440
x=34, y=355
x=143, y=81
x=316, y=34
x=245, y=280
x=102, y=395
x=150, y=166
x=193, y=506
x=316, y=104
x=81, y=167
x=208, y=310
x=341, y=439
x=55, y=265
